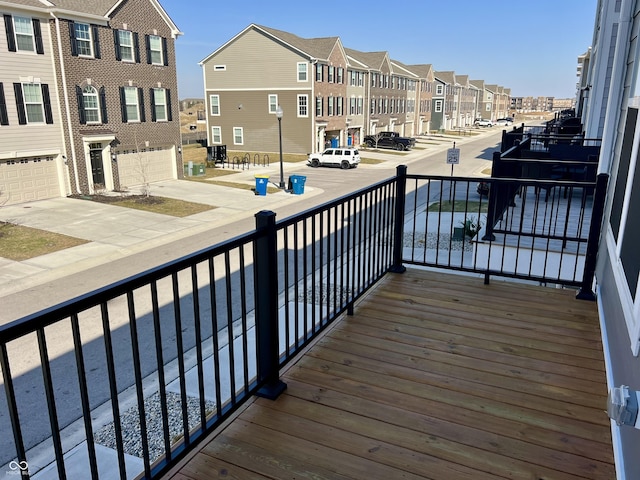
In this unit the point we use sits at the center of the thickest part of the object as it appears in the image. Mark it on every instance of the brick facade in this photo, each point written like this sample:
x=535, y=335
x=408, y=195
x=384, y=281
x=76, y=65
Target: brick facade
x=108, y=74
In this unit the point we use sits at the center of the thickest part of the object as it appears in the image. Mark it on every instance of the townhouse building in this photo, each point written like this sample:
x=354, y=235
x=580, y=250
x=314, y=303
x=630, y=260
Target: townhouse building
x=108, y=96
x=335, y=96
x=425, y=96
x=484, y=100
x=32, y=154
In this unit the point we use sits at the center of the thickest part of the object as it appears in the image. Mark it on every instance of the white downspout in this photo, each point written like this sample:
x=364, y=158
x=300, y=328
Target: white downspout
x=66, y=104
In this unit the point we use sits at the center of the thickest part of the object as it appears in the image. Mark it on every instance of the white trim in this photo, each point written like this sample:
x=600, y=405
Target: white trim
x=211, y=105
x=306, y=72
x=213, y=142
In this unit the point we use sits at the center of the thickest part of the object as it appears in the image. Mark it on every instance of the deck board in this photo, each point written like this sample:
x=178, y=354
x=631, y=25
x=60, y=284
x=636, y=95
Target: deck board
x=435, y=376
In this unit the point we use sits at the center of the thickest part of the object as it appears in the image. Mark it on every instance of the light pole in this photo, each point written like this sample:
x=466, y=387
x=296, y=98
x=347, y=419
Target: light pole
x=279, y=115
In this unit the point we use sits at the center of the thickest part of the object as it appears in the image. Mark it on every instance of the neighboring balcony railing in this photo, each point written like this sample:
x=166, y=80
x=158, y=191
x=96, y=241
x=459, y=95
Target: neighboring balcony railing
x=127, y=379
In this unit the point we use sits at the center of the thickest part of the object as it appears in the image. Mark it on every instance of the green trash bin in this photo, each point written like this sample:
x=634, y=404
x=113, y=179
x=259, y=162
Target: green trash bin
x=261, y=184
x=200, y=169
x=297, y=184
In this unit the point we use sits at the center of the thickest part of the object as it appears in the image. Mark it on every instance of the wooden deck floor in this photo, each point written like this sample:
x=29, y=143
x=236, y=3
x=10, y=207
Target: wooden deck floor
x=435, y=376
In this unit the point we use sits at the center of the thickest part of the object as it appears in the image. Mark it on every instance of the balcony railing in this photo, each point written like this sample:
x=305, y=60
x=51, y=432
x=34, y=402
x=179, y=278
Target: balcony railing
x=129, y=378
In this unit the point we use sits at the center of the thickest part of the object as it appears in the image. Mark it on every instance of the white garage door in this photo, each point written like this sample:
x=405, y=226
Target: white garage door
x=145, y=167
x=28, y=179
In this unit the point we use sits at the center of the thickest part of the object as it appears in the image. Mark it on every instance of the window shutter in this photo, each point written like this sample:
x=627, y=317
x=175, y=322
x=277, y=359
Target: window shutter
x=8, y=27
x=37, y=33
x=4, y=118
x=22, y=115
x=72, y=39
x=147, y=42
x=152, y=99
x=116, y=41
x=136, y=47
x=143, y=118
x=95, y=33
x=48, y=113
x=103, y=105
x=167, y=93
x=123, y=105
x=80, y=97
x=165, y=57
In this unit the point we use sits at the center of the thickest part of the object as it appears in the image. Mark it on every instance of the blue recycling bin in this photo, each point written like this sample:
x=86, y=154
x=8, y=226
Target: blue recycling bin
x=297, y=184
x=334, y=142
x=261, y=184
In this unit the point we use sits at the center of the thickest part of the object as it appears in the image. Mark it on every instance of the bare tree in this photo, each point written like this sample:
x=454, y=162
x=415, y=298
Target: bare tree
x=143, y=166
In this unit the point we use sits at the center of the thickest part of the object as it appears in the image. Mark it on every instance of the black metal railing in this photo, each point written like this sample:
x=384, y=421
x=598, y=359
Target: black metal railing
x=526, y=229
x=129, y=378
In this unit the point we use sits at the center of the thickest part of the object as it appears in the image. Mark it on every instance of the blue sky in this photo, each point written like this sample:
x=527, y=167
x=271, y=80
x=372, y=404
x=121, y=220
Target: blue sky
x=530, y=46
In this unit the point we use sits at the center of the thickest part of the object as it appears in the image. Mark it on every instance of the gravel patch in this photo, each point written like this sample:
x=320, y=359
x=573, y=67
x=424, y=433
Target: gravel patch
x=442, y=241
x=130, y=424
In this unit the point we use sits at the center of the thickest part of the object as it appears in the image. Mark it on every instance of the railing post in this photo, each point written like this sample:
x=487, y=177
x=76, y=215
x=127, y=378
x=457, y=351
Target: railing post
x=265, y=276
x=398, y=226
x=591, y=257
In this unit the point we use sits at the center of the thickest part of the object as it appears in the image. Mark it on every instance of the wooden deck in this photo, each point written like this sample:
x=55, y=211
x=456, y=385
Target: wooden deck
x=435, y=376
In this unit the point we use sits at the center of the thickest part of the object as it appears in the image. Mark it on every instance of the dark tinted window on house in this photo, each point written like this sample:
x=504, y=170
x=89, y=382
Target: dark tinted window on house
x=623, y=171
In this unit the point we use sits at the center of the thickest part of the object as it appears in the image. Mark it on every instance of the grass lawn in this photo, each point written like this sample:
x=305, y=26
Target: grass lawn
x=163, y=205
x=22, y=243
x=459, y=206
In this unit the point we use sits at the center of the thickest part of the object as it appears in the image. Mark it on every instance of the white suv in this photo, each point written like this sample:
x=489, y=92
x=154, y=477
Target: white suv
x=335, y=157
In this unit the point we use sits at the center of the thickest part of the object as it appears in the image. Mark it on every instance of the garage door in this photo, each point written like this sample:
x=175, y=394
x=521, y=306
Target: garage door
x=28, y=179
x=145, y=167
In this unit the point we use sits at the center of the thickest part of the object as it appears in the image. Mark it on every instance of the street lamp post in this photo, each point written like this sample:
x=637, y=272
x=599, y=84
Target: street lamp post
x=279, y=115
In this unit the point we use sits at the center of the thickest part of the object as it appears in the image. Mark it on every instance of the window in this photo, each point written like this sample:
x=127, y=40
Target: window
x=23, y=34
x=339, y=106
x=353, y=78
x=91, y=104
x=438, y=107
x=132, y=104
x=127, y=46
x=302, y=71
x=84, y=40
x=33, y=103
x=360, y=106
x=273, y=103
x=332, y=70
x=352, y=106
x=439, y=89
x=303, y=106
x=319, y=106
x=330, y=106
x=4, y=118
x=161, y=105
x=216, y=134
x=340, y=75
x=214, y=101
x=319, y=72
x=156, y=50
x=238, y=136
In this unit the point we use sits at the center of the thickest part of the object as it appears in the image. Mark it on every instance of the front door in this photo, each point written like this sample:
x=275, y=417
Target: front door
x=97, y=168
